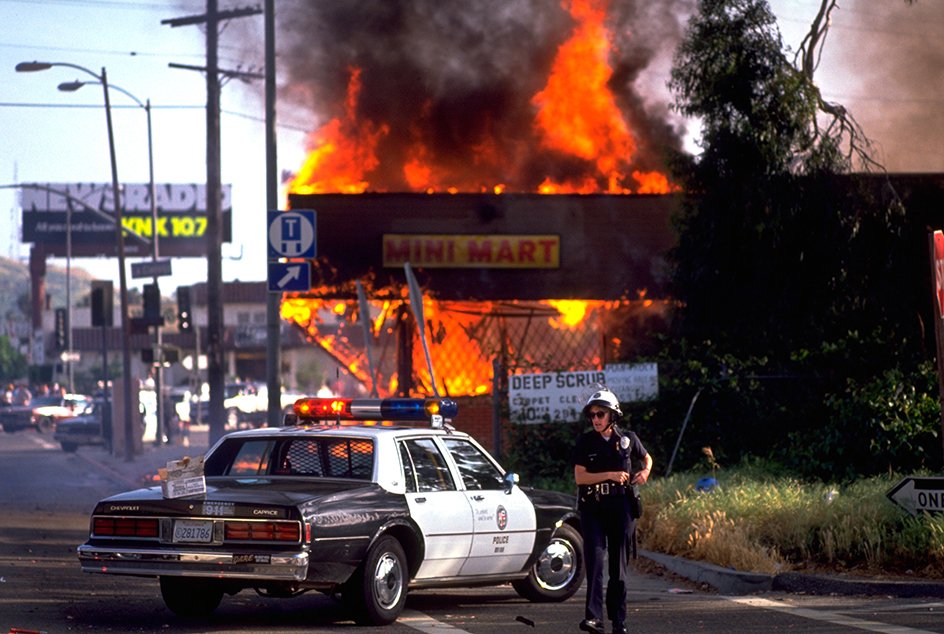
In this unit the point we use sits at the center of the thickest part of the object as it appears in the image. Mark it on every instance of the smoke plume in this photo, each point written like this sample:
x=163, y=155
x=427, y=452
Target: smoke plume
x=459, y=79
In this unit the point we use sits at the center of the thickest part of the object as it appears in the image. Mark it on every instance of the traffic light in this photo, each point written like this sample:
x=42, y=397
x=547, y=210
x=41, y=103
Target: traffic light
x=184, y=314
x=103, y=303
x=151, y=356
x=62, y=329
x=152, y=301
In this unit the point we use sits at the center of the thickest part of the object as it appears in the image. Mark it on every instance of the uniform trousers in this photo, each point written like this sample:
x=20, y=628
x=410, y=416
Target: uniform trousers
x=607, y=527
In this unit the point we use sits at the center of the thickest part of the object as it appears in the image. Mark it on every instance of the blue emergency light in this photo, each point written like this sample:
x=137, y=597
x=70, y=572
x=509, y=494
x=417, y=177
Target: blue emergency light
x=414, y=410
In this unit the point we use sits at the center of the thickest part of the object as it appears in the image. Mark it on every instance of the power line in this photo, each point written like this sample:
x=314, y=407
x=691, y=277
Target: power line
x=148, y=6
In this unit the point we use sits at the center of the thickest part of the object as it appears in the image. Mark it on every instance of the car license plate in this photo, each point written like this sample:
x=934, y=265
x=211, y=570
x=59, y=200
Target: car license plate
x=193, y=531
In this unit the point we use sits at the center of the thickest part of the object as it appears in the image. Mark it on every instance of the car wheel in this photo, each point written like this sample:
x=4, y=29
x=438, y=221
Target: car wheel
x=191, y=598
x=44, y=425
x=70, y=447
x=232, y=418
x=559, y=570
x=380, y=585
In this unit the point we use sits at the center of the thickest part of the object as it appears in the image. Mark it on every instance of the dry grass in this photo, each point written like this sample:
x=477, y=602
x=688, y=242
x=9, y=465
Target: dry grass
x=761, y=523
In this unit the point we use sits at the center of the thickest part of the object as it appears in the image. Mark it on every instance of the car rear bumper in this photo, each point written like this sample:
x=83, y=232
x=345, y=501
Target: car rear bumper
x=292, y=566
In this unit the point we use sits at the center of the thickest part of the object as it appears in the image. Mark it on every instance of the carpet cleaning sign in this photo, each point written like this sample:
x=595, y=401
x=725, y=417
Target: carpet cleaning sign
x=551, y=397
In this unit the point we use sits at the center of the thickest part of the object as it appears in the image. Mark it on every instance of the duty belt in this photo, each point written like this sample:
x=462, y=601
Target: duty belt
x=602, y=489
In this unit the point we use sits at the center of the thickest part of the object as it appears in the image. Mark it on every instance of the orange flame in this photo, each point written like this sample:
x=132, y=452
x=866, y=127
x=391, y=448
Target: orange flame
x=578, y=114
x=463, y=338
x=342, y=152
x=576, y=117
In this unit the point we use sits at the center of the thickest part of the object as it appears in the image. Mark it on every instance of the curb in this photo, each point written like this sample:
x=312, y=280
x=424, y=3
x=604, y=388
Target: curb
x=799, y=583
x=735, y=582
x=117, y=475
x=724, y=580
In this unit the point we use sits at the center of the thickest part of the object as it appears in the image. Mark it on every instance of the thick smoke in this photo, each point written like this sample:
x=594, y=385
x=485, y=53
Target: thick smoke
x=460, y=76
x=893, y=53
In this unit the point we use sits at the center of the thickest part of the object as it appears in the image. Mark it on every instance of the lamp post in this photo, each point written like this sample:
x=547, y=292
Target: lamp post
x=72, y=86
x=25, y=67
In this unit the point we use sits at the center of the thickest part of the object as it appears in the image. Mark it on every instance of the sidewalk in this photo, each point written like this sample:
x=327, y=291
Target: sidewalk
x=143, y=469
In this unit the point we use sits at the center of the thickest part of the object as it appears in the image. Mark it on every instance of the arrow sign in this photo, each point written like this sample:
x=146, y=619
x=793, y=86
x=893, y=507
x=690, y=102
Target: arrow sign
x=289, y=277
x=918, y=495
x=294, y=272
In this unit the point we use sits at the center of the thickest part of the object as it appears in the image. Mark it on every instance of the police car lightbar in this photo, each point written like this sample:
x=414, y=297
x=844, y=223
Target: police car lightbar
x=415, y=410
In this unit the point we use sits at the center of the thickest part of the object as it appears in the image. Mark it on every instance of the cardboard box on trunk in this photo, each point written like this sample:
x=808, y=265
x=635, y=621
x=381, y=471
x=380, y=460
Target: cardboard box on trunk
x=183, y=477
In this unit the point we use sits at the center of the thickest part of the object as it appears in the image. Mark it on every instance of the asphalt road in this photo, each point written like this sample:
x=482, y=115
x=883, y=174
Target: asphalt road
x=47, y=495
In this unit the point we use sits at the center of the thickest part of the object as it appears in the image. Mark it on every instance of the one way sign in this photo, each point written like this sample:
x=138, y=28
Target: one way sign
x=918, y=495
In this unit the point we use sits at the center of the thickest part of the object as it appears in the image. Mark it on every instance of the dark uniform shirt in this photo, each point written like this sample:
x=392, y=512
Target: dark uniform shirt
x=597, y=454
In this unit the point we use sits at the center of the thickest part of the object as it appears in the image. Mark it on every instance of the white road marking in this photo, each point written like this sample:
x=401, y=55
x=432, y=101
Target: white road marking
x=423, y=623
x=829, y=617
x=42, y=442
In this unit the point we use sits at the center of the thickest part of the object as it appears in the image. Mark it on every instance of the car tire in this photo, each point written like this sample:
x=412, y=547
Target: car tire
x=69, y=447
x=45, y=425
x=559, y=570
x=191, y=598
x=379, y=587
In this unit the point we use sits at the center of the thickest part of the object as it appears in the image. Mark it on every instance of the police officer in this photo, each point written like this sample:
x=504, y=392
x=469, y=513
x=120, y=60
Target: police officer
x=603, y=471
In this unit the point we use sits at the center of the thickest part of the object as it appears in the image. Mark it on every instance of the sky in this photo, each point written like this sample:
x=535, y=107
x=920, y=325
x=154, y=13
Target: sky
x=883, y=60
x=53, y=136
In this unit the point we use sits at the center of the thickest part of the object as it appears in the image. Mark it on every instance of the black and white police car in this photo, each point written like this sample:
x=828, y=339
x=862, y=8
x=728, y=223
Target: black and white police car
x=348, y=500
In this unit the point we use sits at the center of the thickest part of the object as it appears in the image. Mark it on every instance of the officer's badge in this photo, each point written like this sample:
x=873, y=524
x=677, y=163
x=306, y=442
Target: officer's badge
x=624, y=442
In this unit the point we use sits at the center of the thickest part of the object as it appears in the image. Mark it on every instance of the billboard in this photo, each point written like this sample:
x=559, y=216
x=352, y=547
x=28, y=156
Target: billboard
x=50, y=208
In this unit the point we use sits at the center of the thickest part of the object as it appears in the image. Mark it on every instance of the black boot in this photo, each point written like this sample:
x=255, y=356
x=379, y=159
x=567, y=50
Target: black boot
x=618, y=627
x=594, y=626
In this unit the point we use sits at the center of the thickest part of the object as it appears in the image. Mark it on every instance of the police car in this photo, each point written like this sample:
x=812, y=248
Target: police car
x=346, y=499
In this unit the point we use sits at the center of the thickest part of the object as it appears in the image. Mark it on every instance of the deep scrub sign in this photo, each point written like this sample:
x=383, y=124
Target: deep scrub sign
x=557, y=397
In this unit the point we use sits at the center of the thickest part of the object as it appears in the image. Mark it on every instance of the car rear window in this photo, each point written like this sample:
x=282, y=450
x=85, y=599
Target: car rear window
x=348, y=458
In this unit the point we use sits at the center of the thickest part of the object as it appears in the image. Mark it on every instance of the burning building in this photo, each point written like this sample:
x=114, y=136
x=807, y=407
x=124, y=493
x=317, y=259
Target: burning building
x=505, y=151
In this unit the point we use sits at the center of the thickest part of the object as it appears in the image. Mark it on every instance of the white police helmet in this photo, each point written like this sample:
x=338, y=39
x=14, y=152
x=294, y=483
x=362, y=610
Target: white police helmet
x=603, y=398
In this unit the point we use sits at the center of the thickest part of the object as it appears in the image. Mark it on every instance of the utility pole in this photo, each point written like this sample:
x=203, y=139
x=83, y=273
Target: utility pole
x=273, y=300
x=214, y=231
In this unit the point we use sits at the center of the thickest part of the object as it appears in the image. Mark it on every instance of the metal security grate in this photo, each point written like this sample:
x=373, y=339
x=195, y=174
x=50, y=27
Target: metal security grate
x=304, y=458
x=464, y=339
x=331, y=458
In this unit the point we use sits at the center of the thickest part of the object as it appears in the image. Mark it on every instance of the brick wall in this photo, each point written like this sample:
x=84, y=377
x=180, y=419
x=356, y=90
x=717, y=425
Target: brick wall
x=475, y=419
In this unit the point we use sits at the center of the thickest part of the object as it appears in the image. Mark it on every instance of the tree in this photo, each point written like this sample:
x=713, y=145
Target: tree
x=772, y=223
x=12, y=363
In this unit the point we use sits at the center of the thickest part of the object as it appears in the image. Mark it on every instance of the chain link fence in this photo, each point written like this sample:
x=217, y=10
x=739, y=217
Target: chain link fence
x=465, y=337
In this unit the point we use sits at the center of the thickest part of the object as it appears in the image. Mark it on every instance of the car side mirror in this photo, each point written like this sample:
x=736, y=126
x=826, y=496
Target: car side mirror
x=511, y=479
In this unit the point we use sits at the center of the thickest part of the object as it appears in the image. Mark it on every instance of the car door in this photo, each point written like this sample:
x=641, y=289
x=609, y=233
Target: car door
x=504, y=522
x=438, y=507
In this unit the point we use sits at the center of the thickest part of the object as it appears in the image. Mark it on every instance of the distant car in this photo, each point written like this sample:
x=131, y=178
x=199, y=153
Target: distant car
x=347, y=501
x=42, y=412
x=84, y=429
x=246, y=405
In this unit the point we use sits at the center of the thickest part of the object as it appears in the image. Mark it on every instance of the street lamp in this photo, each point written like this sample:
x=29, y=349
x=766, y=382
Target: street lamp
x=72, y=86
x=26, y=67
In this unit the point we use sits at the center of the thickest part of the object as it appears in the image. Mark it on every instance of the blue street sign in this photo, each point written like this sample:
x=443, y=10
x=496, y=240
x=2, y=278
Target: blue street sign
x=291, y=234
x=289, y=277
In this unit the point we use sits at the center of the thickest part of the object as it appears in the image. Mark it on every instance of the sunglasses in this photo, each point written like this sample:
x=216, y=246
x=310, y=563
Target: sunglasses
x=593, y=415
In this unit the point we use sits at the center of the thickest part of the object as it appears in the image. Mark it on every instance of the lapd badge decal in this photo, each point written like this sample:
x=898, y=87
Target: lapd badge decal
x=624, y=442
x=501, y=516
